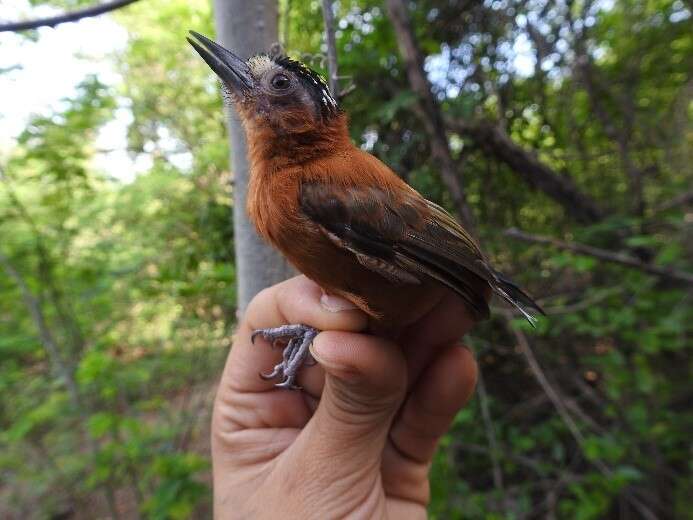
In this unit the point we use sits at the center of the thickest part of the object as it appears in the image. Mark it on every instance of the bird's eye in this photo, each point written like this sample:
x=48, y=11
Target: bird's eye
x=281, y=81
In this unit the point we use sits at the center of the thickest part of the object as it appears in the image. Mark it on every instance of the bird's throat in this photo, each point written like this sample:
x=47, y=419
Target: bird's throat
x=294, y=141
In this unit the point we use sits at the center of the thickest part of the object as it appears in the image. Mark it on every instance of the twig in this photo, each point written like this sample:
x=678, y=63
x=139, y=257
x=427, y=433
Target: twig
x=522, y=460
x=543, y=381
x=347, y=90
x=45, y=268
x=494, y=141
x=50, y=344
x=33, y=306
x=583, y=304
x=491, y=437
x=602, y=254
x=287, y=24
x=560, y=405
x=681, y=199
x=578, y=306
x=332, y=65
x=429, y=112
x=74, y=16
x=576, y=409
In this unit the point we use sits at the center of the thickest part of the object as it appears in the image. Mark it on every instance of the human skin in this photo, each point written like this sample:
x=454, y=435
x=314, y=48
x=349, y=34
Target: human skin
x=357, y=441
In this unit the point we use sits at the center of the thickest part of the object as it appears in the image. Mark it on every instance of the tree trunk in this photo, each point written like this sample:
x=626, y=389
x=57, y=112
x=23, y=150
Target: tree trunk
x=248, y=28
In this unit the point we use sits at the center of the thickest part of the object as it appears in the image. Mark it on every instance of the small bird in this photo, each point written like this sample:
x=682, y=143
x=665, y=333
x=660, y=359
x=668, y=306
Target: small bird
x=338, y=214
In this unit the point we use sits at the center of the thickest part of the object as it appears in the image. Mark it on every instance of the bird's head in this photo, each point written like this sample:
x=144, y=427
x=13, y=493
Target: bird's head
x=270, y=90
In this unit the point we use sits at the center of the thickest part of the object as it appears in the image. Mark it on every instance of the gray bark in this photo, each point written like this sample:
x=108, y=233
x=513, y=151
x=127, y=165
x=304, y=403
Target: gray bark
x=248, y=28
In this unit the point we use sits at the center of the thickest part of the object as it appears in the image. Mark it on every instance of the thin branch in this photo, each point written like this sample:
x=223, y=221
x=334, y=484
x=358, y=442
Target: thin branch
x=523, y=460
x=607, y=256
x=73, y=16
x=429, y=112
x=491, y=438
x=682, y=199
x=543, y=381
x=33, y=306
x=494, y=141
x=559, y=403
x=286, y=28
x=572, y=308
x=35, y=309
x=332, y=65
x=45, y=266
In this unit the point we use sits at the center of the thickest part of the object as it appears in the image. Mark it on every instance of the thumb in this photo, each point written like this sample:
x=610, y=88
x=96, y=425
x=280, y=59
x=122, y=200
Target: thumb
x=365, y=382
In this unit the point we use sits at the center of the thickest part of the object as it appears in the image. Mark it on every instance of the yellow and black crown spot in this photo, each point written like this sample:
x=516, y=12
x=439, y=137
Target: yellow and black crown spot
x=314, y=83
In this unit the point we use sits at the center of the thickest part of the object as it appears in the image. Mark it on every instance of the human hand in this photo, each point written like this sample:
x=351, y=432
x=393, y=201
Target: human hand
x=357, y=441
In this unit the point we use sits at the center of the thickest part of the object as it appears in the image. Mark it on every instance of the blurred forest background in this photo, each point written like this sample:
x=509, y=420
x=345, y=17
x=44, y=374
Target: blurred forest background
x=563, y=125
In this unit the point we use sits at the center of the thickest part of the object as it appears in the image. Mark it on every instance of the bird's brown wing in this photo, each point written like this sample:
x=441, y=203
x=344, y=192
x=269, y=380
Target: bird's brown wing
x=401, y=236
x=445, y=233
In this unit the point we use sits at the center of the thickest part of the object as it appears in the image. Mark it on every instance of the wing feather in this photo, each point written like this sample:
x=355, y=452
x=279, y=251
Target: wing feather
x=404, y=239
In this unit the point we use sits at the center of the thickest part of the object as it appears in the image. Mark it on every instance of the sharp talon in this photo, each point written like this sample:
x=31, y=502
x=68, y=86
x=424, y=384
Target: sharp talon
x=278, y=369
x=296, y=353
x=288, y=385
x=269, y=376
x=280, y=343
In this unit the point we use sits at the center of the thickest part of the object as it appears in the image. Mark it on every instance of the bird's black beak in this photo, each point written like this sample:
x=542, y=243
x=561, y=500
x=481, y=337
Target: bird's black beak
x=231, y=69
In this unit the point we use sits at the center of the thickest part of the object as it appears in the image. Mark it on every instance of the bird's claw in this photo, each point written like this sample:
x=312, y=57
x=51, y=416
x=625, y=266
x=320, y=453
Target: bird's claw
x=296, y=353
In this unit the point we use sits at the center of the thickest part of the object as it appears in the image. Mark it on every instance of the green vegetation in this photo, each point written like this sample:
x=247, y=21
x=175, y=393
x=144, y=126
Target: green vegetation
x=117, y=299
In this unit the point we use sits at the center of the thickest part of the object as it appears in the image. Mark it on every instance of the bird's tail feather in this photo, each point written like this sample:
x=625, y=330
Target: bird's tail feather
x=511, y=293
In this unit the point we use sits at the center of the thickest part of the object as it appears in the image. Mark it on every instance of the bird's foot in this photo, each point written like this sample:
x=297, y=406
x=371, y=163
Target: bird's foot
x=296, y=352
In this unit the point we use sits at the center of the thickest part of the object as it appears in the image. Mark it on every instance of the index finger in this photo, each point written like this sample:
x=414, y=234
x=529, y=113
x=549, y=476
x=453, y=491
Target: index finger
x=294, y=301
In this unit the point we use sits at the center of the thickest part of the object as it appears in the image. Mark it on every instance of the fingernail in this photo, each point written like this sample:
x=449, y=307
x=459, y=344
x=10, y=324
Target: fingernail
x=336, y=303
x=316, y=356
x=311, y=349
x=325, y=361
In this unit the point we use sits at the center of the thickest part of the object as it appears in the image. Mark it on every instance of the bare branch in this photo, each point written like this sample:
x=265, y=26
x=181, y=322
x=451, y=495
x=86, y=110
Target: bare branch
x=523, y=460
x=491, y=438
x=62, y=307
x=33, y=306
x=429, y=112
x=492, y=139
x=682, y=199
x=584, y=304
x=607, y=256
x=553, y=395
x=74, y=16
x=559, y=403
x=286, y=28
